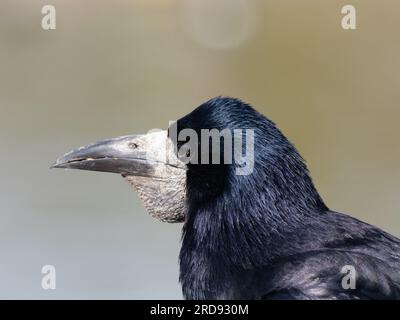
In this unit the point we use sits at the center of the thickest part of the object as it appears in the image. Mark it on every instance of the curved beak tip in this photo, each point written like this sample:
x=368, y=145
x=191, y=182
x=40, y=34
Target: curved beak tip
x=61, y=162
x=56, y=165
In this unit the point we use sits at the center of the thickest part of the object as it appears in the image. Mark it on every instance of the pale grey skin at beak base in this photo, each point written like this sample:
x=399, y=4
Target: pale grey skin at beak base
x=148, y=162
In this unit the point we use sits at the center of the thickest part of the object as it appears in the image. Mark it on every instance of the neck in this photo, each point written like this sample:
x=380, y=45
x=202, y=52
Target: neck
x=244, y=227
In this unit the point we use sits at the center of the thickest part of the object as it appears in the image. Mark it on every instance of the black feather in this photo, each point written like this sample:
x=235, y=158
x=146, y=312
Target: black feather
x=269, y=235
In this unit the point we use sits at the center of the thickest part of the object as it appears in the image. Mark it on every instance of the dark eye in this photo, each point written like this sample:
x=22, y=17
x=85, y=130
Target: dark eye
x=133, y=145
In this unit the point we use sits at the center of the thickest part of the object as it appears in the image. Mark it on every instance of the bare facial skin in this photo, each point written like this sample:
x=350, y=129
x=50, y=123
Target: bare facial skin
x=163, y=198
x=163, y=194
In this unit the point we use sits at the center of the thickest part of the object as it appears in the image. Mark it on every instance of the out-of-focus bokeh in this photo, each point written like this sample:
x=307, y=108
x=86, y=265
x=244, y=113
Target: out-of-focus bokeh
x=117, y=67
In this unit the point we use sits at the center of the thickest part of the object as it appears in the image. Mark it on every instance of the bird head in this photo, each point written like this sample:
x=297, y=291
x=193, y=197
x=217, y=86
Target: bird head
x=185, y=167
x=148, y=162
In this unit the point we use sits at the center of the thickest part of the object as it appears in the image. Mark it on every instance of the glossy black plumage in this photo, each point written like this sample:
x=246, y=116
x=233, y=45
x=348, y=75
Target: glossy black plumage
x=269, y=235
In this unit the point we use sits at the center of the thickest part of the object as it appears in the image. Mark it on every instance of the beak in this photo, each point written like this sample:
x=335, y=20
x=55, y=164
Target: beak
x=133, y=155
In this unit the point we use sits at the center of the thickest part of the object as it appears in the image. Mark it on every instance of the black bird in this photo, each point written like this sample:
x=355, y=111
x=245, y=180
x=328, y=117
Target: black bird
x=263, y=235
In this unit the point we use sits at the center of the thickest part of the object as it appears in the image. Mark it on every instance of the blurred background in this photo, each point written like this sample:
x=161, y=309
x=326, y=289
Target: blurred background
x=118, y=67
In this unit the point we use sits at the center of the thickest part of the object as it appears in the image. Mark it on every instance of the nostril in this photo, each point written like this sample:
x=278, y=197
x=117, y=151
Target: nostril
x=133, y=145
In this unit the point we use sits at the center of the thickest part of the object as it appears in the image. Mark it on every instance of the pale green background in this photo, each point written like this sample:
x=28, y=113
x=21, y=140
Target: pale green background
x=118, y=67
